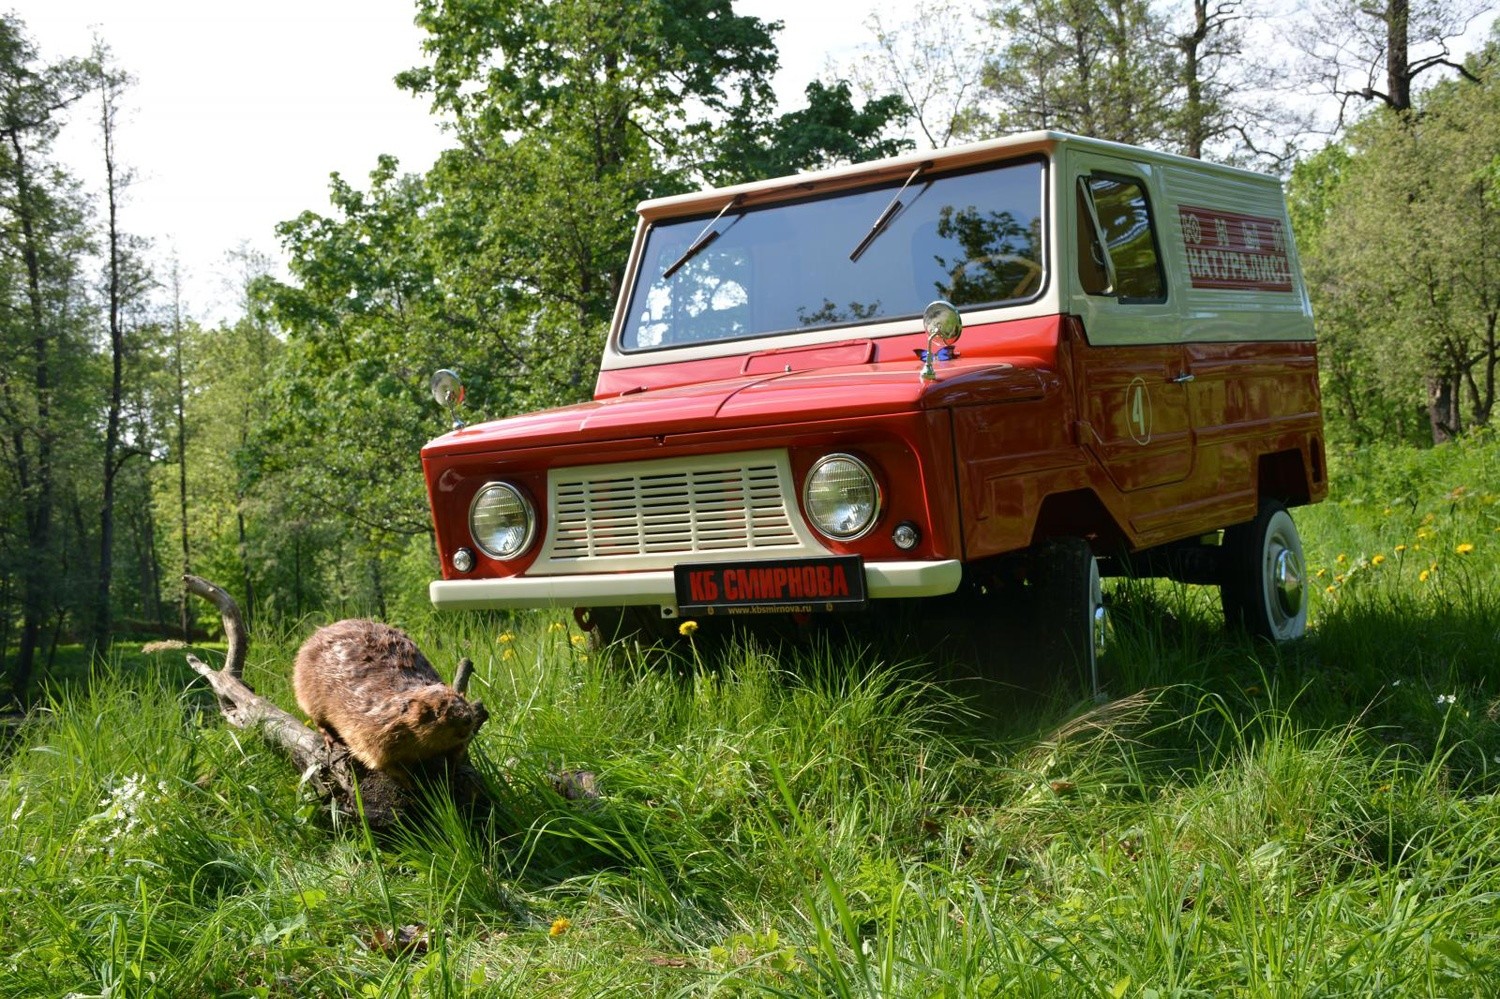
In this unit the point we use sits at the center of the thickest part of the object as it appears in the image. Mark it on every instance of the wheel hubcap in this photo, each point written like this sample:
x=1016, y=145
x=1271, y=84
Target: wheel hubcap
x=1286, y=582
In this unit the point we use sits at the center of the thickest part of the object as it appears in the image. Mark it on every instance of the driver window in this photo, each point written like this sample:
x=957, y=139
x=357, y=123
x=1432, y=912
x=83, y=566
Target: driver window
x=1124, y=215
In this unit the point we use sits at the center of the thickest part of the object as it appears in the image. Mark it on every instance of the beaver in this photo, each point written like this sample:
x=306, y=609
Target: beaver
x=367, y=685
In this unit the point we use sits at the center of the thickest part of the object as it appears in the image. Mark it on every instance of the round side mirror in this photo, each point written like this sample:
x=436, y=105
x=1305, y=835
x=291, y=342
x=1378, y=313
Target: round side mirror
x=448, y=390
x=942, y=322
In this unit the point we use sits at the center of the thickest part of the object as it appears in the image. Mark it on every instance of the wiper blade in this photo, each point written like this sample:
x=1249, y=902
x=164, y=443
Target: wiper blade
x=891, y=211
x=707, y=236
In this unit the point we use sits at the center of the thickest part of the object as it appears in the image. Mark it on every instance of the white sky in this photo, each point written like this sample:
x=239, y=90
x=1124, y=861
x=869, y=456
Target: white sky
x=241, y=110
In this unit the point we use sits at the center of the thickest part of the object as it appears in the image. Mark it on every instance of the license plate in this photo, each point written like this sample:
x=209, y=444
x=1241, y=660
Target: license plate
x=833, y=583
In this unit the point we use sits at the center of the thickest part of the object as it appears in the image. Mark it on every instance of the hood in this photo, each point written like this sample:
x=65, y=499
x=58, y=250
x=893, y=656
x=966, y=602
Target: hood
x=749, y=401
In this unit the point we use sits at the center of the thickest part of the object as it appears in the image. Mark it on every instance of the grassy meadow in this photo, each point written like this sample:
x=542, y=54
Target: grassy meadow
x=1232, y=819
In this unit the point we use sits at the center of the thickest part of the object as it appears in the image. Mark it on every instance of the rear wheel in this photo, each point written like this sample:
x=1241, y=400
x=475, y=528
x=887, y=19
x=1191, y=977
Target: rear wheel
x=1263, y=579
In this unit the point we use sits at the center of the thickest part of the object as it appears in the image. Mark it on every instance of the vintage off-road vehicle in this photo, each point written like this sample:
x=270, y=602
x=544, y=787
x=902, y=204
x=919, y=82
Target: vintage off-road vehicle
x=788, y=422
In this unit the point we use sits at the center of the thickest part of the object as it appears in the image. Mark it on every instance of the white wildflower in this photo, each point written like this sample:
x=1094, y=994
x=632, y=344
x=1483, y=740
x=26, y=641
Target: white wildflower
x=124, y=810
x=1446, y=699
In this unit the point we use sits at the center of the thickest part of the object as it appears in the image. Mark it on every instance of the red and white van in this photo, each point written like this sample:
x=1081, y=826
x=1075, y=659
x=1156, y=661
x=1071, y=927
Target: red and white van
x=788, y=421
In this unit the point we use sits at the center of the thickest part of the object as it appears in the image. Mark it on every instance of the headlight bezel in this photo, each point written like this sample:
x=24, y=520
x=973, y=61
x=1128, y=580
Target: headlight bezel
x=527, y=509
x=877, y=499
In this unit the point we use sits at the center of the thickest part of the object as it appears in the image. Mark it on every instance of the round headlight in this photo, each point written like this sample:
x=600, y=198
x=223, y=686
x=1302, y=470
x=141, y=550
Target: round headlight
x=501, y=520
x=841, y=497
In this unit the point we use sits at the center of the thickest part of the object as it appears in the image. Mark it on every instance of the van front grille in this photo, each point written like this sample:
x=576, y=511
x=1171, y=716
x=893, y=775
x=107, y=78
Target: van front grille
x=656, y=514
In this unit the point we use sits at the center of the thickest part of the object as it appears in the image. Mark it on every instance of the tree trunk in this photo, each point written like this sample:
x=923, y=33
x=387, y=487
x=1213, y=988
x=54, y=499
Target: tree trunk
x=1441, y=408
x=1397, y=63
x=102, y=610
x=1192, y=112
x=182, y=503
x=35, y=478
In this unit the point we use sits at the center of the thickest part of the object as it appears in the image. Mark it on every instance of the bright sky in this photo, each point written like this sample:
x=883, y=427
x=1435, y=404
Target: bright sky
x=242, y=110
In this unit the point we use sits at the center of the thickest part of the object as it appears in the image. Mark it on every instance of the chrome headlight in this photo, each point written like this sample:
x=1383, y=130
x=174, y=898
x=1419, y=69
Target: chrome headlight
x=501, y=520
x=841, y=497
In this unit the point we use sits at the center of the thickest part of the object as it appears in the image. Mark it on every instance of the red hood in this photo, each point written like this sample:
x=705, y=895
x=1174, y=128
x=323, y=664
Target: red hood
x=751, y=401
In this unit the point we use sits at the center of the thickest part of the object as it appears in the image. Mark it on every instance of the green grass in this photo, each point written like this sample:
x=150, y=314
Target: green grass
x=1235, y=819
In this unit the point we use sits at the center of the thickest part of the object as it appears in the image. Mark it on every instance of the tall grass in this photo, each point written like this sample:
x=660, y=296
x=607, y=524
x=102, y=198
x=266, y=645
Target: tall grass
x=1319, y=819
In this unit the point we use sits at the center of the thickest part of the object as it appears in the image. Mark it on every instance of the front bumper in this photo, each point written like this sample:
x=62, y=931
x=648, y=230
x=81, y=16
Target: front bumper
x=883, y=580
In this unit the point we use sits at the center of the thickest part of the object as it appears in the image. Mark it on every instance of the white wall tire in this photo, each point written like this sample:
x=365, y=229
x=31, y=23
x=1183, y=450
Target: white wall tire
x=1263, y=586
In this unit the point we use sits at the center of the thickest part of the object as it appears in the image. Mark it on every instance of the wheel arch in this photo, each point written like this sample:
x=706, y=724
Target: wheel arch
x=1284, y=476
x=1081, y=513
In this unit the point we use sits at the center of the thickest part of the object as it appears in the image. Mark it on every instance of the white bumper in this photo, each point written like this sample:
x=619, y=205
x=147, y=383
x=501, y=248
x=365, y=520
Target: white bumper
x=883, y=580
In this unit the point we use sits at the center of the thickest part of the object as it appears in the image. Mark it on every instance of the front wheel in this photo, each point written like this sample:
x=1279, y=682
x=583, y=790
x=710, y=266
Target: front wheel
x=1263, y=577
x=1068, y=603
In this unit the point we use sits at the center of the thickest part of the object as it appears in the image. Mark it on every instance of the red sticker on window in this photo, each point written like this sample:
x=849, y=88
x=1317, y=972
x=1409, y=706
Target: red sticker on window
x=1234, y=251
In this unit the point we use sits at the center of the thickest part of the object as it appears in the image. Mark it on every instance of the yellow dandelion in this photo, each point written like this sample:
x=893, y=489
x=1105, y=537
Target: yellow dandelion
x=1330, y=588
x=687, y=628
x=507, y=637
x=1321, y=573
x=1423, y=534
x=1465, y=548
x=1429, y=518
x=1424, y=575
x=508, y=654
x=560, y=925
x=1377, y=559
x=1342, y=558
x=579, y=639
x=1400, y=549
x=557, y=626
x=1338, y=579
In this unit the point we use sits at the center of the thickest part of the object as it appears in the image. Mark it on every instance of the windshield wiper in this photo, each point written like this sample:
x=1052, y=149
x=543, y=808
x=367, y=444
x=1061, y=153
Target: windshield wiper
x=707, y=236
x=891, y=210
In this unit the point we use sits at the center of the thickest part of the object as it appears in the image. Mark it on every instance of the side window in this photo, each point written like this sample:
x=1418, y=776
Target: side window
x=1117, y=240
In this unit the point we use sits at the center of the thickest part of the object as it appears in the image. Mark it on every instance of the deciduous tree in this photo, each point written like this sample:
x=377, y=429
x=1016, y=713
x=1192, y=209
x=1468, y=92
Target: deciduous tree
x=43, y=239
x=1359, y=52
x=1095, y=67
x=1405, y=259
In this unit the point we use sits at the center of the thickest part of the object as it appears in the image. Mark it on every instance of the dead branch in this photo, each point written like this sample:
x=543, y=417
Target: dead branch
x=346, y=785
x=462, y=674
x=229, y=613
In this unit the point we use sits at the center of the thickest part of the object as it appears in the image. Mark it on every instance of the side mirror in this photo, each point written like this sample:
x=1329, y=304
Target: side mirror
x=942, y=323
x=448, y=390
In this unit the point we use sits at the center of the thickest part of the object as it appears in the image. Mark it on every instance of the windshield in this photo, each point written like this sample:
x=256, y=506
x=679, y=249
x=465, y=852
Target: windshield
x=973, y=238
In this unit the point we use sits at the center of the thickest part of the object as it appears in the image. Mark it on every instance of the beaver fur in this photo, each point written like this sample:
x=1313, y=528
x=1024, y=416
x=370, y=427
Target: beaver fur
x=367, y=685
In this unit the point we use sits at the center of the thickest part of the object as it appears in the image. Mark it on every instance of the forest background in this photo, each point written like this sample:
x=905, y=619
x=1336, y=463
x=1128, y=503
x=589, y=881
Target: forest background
x=276, y=453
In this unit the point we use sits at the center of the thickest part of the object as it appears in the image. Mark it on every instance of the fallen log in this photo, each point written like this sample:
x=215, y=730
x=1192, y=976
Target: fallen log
x=344, y=784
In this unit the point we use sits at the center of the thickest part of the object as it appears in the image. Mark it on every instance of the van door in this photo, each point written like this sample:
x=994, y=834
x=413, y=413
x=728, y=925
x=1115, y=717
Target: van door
x=1131, y=373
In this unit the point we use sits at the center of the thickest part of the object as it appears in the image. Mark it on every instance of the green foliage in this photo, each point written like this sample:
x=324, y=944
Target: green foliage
x=830, y=130
x=1094, y=69
x=1235, y=818
x=1406, y=297
x=504, y=261
x=49, y=373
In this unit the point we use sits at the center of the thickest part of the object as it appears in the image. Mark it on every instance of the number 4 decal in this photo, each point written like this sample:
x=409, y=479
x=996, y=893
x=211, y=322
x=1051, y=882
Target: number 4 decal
x=1140, y=410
